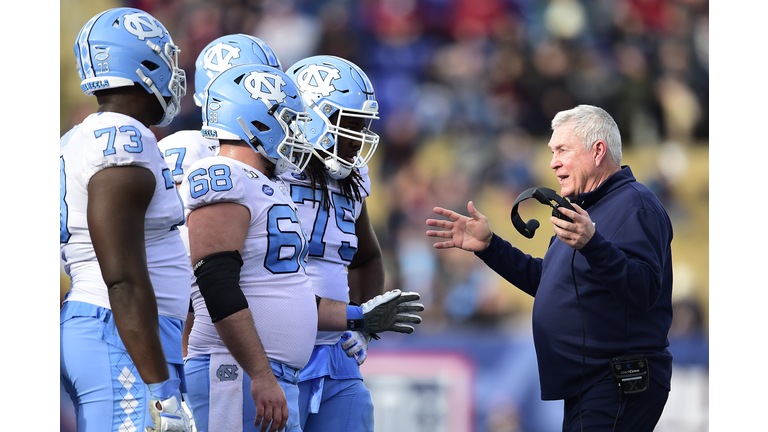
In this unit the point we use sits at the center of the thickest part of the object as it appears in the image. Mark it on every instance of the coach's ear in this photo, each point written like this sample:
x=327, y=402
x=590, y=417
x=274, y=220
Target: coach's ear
x=599, y=151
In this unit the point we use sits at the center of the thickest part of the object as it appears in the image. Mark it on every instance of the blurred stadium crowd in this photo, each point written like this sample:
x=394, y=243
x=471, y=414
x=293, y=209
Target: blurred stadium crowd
x=467, y=89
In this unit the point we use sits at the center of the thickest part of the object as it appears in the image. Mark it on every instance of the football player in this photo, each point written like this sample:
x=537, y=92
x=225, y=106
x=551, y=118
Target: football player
x=122, y=320
x=256, y=316
x=345, y=260
x=185, y=147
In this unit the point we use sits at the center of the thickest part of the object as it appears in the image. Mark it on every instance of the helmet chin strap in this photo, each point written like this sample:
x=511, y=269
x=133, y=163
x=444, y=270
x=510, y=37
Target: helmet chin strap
x=280, y=165
x=335, y=169
x=166, y=120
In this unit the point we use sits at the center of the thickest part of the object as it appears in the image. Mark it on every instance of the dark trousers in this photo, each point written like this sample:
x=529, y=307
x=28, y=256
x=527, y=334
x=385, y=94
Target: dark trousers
x=639, y=412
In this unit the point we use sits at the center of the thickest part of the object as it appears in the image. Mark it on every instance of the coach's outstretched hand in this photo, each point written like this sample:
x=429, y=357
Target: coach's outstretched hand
x=471, y=233
x=387, y=312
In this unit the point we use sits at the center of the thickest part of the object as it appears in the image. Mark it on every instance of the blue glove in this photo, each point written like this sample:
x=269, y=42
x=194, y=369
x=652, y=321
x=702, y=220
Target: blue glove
x=165, y=407
x=356, y=345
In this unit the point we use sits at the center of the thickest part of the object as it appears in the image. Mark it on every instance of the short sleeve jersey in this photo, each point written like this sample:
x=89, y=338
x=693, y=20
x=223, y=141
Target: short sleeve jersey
x=332, y=238
x=182, y=149
x=107, y=140
x=273, y=276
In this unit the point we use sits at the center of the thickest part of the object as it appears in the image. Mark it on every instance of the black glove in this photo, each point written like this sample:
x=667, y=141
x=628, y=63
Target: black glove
x=386, y=312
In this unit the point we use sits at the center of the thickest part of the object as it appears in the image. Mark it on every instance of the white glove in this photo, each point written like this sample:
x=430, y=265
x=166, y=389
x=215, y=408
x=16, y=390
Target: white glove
x=166, y=410
x=356, y=344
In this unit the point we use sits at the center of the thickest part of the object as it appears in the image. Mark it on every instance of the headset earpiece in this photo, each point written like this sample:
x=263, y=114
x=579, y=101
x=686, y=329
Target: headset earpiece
x=545, y=196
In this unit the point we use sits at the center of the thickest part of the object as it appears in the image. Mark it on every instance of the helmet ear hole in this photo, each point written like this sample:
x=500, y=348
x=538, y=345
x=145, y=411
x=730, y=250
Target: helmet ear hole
x=150, y=65
x=260, y=126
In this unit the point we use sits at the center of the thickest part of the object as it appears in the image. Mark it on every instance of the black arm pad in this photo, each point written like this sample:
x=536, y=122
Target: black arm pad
x=218, y=277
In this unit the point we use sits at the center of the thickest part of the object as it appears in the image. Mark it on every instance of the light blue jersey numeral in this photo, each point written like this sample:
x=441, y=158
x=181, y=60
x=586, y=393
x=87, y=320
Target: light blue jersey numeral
x=218, y=180
x=138, y=147
x=344, y=205
x=64, y=233
x=300, y=194
x=179, y=160
x=285, y=251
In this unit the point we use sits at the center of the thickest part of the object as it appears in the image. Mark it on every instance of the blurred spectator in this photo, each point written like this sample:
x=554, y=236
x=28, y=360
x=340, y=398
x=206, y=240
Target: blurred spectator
x=467, y=88
x=292, y=34
x=687, y=319
x=510, y=167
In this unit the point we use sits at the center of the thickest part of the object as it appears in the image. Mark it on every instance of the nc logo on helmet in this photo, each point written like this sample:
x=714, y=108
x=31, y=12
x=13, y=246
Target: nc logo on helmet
x=219, y=57
x=264, y=85
x=318, y=79
x=142, y=26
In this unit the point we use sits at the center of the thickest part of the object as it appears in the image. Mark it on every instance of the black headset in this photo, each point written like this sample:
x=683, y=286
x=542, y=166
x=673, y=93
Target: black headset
x=545, y=196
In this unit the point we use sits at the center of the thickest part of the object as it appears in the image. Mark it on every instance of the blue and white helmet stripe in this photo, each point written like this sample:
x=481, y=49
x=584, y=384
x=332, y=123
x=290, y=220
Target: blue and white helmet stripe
x=268, y=53
x=83, y=50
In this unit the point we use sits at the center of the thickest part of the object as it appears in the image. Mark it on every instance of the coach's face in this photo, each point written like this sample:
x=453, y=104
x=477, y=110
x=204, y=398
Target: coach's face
x=575, y=168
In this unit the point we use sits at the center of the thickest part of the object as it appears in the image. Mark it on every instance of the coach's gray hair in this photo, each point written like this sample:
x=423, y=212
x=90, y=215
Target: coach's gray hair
x=591, y=123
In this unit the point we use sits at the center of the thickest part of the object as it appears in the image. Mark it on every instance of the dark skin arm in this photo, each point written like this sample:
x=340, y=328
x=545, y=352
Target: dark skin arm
x=366, y=271
x=118, y=199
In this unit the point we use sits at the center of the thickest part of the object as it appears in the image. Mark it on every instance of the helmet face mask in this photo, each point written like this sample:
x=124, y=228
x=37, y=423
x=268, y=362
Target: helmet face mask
x=227, y=51
x=335, y=89
x=123, y=46
x=260, y=105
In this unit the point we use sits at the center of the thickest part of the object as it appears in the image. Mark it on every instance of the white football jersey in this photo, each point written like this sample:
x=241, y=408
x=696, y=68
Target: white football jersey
x=105, y=140
x=273, y=277
x=184, y=148
x=181, y=150
x=332, y=238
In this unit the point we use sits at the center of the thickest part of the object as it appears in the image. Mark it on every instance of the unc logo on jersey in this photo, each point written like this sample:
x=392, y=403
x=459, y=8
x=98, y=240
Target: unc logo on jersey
x=219, y=57
x=227, y=372
x=299, y=176
x=142, y=26
x=318, y=79
x=267, y=190
x=266, y=86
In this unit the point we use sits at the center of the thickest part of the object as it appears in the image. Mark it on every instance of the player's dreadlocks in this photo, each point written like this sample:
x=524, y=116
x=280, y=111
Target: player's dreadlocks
x=350, y=186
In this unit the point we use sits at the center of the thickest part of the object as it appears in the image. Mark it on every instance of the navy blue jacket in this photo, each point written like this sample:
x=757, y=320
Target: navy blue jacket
x=624, y=280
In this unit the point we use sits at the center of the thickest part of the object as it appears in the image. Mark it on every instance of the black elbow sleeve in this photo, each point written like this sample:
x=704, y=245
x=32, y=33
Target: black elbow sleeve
x=218, y=277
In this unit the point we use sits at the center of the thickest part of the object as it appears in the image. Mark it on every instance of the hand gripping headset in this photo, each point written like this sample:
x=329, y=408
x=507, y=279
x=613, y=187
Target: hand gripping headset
x=545, y=196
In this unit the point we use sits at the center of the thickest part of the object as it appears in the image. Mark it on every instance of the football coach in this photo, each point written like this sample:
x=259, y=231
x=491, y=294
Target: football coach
x=603, y=291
